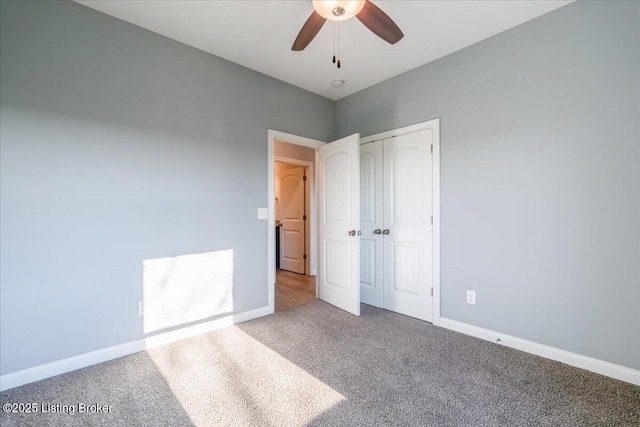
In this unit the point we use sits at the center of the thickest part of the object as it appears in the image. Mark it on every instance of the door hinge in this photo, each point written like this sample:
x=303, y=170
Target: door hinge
x=431, y=148
x=304, y=217
x=431, y=291
x=305, y=257
x=304, y=177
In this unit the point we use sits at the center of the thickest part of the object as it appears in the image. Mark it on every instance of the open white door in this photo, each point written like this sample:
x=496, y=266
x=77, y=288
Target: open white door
x=339, y=225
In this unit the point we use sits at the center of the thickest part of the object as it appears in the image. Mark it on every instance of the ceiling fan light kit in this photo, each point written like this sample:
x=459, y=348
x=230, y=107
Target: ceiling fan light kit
x=368, y=13
x=338, y=10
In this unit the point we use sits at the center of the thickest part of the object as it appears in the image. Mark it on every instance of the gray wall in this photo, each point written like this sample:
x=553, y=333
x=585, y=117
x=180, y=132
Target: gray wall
x=540, y=175
x=119, y=145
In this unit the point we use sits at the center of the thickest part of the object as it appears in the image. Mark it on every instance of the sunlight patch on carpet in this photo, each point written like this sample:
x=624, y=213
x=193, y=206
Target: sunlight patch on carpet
x=229, y=378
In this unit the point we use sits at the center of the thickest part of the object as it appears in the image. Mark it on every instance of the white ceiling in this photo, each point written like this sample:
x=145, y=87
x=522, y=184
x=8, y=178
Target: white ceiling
x=258, y=34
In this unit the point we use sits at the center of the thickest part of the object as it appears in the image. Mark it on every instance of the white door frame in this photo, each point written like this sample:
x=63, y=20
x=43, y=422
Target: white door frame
x=435, y=125
x=272, y=136
x=310, y=226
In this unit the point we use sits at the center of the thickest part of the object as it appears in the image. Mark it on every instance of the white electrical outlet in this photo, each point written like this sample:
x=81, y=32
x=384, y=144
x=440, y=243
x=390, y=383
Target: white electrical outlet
x=471, y=297
x=140, y=308
x=263, y=213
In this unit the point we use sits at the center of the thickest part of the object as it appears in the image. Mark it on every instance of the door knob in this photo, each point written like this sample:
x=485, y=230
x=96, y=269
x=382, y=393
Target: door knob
x=352, y=233
x=385, y=231
x=377, y=231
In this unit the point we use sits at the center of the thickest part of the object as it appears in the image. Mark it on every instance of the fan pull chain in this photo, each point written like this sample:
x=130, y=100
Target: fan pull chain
x=338, y=44
x=334, y=42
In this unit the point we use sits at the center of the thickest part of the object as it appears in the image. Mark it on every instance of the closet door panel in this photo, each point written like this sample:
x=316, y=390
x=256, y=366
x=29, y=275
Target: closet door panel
x=371, y=219
x=407, y=217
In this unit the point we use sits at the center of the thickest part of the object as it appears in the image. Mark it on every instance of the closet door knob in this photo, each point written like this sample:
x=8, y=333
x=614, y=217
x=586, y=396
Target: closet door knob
x=385, y=231
x=352, y=233
x=378, y=231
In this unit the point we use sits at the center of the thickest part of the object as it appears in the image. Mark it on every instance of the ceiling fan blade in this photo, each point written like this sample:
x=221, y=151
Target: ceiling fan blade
x=378, y=22
x=308, y=31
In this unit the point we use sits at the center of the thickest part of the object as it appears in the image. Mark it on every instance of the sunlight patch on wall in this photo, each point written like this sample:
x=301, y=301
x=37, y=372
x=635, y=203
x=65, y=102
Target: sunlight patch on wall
x=229, y=378
x=186, y=288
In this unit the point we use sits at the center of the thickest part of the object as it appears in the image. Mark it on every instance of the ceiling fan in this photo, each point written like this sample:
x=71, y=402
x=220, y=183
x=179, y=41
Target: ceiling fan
x=368, y=13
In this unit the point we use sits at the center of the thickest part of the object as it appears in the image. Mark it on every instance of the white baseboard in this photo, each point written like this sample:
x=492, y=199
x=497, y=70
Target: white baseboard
x=584, y=362
x=58, y=367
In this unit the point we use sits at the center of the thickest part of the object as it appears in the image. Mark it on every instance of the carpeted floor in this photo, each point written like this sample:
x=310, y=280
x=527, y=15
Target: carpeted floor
x=317, y=365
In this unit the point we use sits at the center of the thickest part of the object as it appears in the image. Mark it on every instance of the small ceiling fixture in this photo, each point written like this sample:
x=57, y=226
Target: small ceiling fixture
x=340, y=10
x=337, y=83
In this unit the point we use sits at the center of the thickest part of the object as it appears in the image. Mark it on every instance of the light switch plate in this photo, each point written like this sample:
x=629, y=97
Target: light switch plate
x=263, y=213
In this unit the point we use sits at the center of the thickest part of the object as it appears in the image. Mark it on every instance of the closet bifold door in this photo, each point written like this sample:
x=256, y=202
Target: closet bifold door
x=407, y=231
x=371, y=224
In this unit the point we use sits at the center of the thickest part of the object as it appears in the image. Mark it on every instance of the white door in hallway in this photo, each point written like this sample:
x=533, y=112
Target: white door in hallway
x=292, y=203
x=339, y=224
x=407, y=232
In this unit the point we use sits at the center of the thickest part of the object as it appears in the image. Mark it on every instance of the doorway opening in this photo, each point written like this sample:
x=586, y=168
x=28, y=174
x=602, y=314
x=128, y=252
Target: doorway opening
x=294, y=284
x=292, y=257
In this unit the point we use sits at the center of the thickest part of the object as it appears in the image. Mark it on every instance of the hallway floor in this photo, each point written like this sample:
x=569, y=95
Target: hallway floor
x=293, y=289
